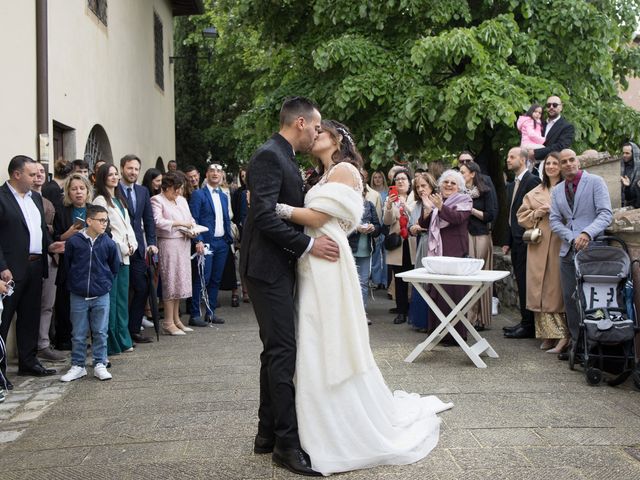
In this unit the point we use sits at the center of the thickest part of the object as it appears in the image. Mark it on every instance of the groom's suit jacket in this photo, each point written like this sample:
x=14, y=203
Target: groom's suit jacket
x=270, y=246
x=591, y=211
x=559, y=137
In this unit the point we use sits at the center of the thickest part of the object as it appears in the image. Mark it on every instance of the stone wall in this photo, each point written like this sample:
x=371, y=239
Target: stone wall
x=506, y=290
x=608, y=167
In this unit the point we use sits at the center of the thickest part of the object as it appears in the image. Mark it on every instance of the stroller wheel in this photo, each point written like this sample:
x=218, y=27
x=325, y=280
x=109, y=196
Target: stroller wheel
x=572, y=358
x=594, y=376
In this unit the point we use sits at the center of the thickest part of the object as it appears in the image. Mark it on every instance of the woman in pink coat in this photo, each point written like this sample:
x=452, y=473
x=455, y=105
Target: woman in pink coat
x=530, y=127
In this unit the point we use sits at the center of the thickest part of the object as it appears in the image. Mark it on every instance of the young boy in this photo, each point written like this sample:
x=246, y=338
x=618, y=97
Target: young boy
x=92, y=260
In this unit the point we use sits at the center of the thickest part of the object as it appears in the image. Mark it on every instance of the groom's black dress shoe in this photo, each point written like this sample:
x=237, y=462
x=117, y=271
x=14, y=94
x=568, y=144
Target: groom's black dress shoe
x=36, y=371
x=511, y=328
x=400, y=318
x=263, y=445
x=295, y=460
x=521, y=332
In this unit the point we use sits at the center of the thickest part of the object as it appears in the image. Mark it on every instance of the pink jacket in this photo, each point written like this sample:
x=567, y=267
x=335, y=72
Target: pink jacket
x=531, y=134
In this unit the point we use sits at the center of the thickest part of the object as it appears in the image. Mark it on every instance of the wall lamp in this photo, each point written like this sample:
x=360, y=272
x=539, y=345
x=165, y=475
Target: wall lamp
x=208, y=33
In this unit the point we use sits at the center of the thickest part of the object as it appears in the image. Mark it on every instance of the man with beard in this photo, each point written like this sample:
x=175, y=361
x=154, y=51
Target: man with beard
x=558, y=132
x=141, y=215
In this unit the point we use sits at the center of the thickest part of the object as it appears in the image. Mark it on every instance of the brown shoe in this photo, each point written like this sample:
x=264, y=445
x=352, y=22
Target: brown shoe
x=51, y=355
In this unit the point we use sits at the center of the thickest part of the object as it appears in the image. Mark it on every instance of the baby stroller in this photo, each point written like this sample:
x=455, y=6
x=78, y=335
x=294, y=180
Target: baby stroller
x=606, y=340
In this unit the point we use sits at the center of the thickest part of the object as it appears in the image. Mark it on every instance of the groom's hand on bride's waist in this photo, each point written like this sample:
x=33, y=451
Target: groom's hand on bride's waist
x=325, y=248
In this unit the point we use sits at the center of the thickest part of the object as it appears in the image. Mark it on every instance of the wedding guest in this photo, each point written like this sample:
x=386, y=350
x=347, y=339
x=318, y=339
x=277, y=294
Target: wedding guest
x=239, y=207
x=229, y=280
x=152, y=180
x=94, y=260
x=192, y=176
x=436, y=168
x=170, y=212
x=448, y=226
x=424, y=185
x=378, y=256
x=361, y=242
x=141, y=215
x=630, y=175
x=396, y=215
x=23, y=245
x=45, y=352
x=69, y=219
x=111, y=197
x=81, y=167
x=544, y=292
x=52, y=190
x=96, y=167
x=483, y=213
x=530, y=128
x=172, y=166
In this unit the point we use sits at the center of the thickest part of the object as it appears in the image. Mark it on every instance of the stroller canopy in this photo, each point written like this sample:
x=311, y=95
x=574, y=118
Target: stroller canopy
x=603, y=260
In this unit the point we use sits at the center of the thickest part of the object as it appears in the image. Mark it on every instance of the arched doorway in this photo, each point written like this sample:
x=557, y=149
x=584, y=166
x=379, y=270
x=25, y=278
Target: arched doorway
x=160, y=164
x=98, y=146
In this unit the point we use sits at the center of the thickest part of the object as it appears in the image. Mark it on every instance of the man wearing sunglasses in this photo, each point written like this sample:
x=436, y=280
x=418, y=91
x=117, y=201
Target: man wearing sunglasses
x=558, y=132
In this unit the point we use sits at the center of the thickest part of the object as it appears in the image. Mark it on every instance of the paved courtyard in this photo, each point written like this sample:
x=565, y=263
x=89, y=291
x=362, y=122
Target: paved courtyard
x=186, y=408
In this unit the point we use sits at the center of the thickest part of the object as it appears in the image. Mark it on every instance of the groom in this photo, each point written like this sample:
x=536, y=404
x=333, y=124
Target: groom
x=270, y=248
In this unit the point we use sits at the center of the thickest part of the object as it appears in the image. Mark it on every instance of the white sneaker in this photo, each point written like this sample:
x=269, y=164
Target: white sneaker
x=146, y=323
x=74, y=373
x=101, y=373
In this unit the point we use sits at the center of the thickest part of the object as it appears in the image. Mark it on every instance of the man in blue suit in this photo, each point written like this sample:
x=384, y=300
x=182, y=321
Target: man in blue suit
x=141, y=215
x=210, y=208
x=580, y=211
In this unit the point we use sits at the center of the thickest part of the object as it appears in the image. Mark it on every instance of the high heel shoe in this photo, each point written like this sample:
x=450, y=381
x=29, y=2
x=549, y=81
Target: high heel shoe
x=181, y=326
x=560, y=347
x=172, y=330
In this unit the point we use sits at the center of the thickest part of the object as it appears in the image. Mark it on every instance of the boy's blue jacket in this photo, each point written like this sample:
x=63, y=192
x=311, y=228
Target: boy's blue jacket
x=90, y=268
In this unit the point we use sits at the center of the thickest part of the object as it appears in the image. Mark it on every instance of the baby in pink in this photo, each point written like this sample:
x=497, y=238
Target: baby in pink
x=530, y=127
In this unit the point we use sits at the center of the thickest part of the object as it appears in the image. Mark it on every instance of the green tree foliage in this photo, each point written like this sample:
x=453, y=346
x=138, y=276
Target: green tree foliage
x=423, y=78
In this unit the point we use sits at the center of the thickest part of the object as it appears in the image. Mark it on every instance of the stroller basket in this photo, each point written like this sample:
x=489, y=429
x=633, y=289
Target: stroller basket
x=609, y=327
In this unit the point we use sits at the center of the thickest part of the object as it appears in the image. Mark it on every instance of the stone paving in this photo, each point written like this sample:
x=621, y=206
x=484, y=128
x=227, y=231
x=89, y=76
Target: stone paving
x=186, y=408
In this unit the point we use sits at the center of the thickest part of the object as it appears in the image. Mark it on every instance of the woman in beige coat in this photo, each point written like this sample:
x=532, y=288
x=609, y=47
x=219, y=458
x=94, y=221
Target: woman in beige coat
x=396, y=214
x=544, y=293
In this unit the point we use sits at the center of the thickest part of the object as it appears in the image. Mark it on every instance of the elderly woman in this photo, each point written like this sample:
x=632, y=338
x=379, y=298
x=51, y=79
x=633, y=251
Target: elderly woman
x=401, y=255
x=544, y=292
x=121, y=231
x=69, y=219
x=170, y=213
x=424, y=184
x=484, y=211
x=448, y=235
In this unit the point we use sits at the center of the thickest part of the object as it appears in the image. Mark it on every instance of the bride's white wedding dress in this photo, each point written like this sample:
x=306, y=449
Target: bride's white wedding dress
x=348, y=418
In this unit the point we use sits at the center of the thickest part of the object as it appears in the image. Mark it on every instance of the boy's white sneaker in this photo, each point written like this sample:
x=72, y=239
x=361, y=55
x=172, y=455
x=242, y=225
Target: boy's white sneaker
x=100, y=372
x=74, y=373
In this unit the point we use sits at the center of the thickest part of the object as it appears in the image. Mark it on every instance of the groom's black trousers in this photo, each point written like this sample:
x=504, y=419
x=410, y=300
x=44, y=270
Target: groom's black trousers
x=274, y=308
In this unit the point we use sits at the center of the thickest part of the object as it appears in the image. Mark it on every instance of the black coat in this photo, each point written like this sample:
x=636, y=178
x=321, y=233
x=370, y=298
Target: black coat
x=558, y=138
x=528, y=183
x=14, y=239
x=270, y=246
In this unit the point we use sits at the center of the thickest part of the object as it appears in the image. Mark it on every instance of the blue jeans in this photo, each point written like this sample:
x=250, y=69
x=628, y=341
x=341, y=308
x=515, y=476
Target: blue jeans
x=379, y=263
x=213, y=268
x=363, y=264
x=89, y=314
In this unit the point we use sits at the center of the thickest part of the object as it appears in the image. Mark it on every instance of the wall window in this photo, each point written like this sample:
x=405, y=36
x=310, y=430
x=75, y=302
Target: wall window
x=158, y=50
x=99, y=7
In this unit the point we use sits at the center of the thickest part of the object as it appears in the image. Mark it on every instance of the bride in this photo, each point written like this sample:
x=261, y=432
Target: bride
x=348, y=418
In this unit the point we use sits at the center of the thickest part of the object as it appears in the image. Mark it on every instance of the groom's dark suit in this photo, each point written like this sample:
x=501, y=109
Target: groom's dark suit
x=559, y=137
x=269, y=251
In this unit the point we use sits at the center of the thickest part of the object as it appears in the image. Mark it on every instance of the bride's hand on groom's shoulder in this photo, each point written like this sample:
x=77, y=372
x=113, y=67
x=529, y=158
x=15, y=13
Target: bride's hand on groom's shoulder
x=325, y=248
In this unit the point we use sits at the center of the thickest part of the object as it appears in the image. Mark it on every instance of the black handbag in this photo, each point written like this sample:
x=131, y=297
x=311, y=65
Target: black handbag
x=392, y=241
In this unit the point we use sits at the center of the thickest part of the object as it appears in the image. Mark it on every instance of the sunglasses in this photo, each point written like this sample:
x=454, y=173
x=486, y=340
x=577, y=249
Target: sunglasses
x=553, y=104
x=215, y=166
x=465, y=160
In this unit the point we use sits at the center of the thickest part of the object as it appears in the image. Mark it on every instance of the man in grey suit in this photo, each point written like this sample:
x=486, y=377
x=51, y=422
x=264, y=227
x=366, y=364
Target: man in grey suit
x=580, y=211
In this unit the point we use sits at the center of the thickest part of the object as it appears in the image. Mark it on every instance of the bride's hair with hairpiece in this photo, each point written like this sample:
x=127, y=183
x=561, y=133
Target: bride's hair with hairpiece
x=347, y=151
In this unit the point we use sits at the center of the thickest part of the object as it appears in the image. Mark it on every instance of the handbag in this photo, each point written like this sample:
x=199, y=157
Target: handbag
x=532, y=235
x=392, y=241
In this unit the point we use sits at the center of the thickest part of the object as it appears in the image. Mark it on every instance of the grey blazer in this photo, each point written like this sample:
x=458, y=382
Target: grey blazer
x=591, y=210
